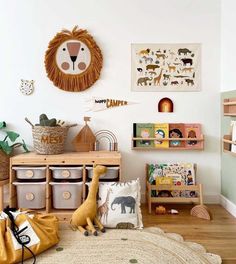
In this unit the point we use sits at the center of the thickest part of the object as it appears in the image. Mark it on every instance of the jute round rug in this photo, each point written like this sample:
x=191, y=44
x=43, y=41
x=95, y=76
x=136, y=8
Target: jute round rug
x=147, y=246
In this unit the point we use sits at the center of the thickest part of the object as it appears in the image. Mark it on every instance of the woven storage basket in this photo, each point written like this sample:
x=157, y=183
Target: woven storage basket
x=4, y=165
x=49, y=140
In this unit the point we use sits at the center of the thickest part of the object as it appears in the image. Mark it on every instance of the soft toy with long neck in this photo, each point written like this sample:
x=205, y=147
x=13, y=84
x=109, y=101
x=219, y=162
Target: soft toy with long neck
x=84, y=217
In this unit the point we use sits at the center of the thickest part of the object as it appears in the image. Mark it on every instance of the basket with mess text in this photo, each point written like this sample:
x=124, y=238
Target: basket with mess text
x=49, y=136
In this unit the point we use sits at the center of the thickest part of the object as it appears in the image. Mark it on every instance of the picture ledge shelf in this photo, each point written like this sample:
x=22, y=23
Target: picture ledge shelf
x=229, y=107
x=227, y=142
x=169, y=148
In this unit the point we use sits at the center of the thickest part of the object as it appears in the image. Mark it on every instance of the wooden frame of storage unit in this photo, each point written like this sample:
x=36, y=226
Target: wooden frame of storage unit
x=229, y=107
x=171, y=187
x=227, y=142
x=107, y=158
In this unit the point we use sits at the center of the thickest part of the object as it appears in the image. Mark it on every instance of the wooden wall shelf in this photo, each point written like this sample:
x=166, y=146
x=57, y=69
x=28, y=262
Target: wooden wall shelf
x=201, y=147
x=229, y=107
x=112, y=158
x=227, y=142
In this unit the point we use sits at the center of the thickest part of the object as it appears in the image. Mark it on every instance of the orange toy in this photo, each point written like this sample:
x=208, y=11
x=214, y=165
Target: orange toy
x=160, y=210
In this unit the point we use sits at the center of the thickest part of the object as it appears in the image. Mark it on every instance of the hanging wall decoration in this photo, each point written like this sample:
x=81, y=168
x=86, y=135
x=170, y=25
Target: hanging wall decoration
x=166, y=67
x=73, y=60
x=166, y=105
x=99, y=104
x=27, y=87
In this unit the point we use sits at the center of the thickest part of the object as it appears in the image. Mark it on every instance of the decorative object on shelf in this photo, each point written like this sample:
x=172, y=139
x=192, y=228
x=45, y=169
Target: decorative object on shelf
x=165, y=67
x=73, y=60
x=27, y=87
x=27, y=235
x=48, y=136
x=99, y=104
x=119, y=203
x=229, y=107
x=85, y=140
x=101, y=134
x=149, y=136
x=201, y=211
x=166, y=105
x=160, y=210
x=85, y=215
x=7, y=145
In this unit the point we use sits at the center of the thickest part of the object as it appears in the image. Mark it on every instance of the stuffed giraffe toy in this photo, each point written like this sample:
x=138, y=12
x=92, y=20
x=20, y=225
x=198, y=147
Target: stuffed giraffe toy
x=84, y=217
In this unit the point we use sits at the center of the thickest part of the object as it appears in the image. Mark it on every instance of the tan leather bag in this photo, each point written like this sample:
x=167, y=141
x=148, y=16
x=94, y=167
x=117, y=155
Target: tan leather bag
x=40, y=229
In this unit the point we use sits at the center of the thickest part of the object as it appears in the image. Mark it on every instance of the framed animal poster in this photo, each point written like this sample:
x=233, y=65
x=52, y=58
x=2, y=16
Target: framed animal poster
x=166, y=67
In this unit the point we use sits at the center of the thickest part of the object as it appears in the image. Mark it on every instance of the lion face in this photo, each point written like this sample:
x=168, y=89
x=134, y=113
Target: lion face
x=73, y=60
x=73, y=57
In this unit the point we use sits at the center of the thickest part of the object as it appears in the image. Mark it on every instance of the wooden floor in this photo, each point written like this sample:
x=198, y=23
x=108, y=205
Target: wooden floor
x=217, y=236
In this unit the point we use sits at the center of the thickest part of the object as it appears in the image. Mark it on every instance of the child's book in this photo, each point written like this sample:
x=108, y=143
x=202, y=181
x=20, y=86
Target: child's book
x=193, y=131
x=145, y=131
x=161, y=131
x=176, y=131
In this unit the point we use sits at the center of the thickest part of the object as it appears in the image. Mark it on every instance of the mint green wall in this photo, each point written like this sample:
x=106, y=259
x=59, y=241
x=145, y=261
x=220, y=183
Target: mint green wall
x=228, y=162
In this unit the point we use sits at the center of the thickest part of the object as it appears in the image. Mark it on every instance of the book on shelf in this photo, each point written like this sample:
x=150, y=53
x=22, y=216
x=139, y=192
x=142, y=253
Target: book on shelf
x=145, y=131
x=193, y=131
x=176, y=130
x=161, y=131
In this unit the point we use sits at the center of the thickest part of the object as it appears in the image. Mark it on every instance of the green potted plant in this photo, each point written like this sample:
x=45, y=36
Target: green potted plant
x=7, y=145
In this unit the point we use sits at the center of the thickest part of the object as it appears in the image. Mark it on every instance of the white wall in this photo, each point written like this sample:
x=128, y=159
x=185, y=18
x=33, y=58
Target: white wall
x=228, y=44
x=27, y=27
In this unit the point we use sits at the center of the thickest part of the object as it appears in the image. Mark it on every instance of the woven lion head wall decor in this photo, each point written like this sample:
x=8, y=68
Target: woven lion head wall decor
x=73, y=60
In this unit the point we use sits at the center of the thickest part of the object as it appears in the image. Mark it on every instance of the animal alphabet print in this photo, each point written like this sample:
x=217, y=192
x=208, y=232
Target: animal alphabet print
x=166, y=67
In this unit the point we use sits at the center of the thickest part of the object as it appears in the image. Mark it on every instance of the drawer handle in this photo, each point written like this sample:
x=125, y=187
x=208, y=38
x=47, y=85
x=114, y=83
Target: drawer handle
x=65, y=173
x=29, y=173
x=29, y=196
x=66, y=195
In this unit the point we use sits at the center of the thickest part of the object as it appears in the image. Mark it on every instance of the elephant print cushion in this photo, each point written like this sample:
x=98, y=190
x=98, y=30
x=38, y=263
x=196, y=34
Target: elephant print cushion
x=119, y=204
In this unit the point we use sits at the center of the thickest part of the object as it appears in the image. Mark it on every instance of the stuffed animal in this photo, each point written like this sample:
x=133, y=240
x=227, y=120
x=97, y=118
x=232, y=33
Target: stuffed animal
x=160, y=210
x=44, y=121
x=84, y=217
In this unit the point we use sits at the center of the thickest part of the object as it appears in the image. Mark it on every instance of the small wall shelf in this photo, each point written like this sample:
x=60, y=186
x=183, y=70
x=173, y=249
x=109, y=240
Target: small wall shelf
x=194, y=147
x=229, y=107
x=227, y=142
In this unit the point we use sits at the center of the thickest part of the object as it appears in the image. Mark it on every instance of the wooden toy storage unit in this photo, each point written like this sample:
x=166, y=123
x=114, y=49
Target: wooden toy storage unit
x=107, y=158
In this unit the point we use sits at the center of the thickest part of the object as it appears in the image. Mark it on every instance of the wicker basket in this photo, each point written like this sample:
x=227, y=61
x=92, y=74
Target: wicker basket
x=49, y=140
x=4, y=165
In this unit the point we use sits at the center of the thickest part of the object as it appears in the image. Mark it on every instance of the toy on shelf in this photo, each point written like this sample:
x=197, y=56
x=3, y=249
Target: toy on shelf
x=49, y=135
x=101, y=134
x=83, y=218
x=85, y=139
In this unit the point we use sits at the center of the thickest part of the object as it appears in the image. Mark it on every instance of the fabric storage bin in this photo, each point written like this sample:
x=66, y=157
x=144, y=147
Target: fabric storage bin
x=31, y=195
x=67, y=195
x=112, y=173
x=30, y=173
x=67, y=172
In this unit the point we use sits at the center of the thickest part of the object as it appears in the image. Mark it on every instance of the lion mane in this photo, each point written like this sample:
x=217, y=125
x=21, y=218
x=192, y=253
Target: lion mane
x=70, y=82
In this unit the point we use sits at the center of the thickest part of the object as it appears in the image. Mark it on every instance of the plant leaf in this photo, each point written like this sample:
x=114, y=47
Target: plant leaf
x=12, y=135
x=5, y=147
x=24, y=146
x=3, y=124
